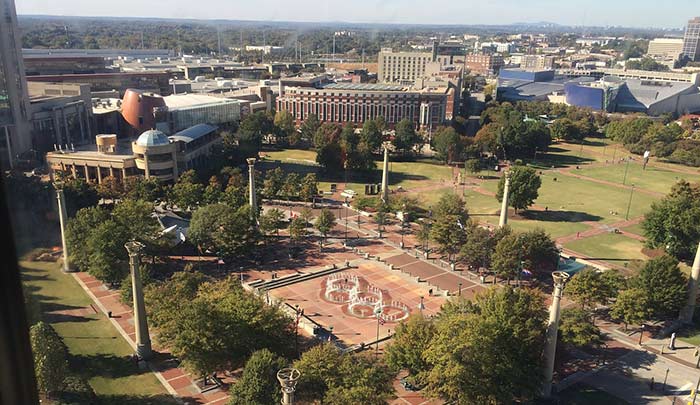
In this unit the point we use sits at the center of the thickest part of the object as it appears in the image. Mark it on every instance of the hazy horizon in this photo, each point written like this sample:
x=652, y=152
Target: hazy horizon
x=441, y=12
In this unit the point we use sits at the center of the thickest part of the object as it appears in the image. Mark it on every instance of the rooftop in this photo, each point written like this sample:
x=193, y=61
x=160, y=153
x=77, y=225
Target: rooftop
x=364, y=86
x=193, y=133
x=176, y=101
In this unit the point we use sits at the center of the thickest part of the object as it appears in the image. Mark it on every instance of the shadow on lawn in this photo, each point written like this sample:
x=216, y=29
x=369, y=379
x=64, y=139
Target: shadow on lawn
x=104, y=365
x=141, y=400
x=560, y=216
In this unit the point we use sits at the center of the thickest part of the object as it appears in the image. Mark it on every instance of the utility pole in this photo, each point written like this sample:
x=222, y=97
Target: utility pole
x=560, y=279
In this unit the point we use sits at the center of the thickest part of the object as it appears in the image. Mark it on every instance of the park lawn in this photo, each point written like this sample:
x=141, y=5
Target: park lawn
x=581, y=394
x=609, y=247
x=585, y=200
x=635, y=229
x=304, y=155
x=653, y=178
x=97, y=350
x=690, y=335
x=555, y=229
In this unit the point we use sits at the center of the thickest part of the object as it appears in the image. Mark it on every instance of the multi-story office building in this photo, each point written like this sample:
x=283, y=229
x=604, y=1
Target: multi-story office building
x=665, y=48
x=484, y=64
x=15, y=128
x=537, y=62
x=357, y=102
x=152, y=155
x=406, y=67
x=691, y=40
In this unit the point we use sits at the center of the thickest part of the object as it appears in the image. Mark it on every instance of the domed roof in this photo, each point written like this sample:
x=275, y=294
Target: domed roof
x=152, y=137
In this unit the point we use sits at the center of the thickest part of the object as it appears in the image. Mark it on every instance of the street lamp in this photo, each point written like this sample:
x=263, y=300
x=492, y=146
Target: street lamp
x=378, y=313
x=299, y=313
x=459, y=293
x=627, y=166
x=288, y=378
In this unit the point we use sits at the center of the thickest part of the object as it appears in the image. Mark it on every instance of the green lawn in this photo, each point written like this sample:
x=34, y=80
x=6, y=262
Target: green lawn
x=585, y=200
x=581, y=394
x=308, y=156
x=653, y=178
x=98, y=351
x=635, y=229
x=610, y=247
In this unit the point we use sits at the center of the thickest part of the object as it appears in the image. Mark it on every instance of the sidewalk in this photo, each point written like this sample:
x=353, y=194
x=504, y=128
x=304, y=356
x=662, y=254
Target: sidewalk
x=175, y=379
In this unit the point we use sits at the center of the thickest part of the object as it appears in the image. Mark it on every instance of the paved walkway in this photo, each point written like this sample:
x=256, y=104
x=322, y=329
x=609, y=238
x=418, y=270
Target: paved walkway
x=175, y=379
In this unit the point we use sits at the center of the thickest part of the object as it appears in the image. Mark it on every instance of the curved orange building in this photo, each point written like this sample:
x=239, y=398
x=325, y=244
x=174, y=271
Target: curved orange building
x=139, y=110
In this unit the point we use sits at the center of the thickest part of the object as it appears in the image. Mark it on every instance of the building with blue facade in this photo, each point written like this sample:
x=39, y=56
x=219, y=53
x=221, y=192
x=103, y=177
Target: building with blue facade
x=608, y=93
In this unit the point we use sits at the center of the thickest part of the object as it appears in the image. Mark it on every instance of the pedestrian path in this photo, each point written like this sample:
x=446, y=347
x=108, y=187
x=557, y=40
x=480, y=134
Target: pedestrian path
x=175, y=379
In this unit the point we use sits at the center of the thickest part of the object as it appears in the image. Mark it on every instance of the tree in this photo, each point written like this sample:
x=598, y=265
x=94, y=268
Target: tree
x=140, y=188
x=477, y=247
x=406, y=137
x=448, y=144
x=50, y=358
x=273, y=183
x=309, y=188
x=110, y=188
x=524, y=186
x=79, y=194
x=223, y=230
x=309, y=127
x=254, y=127
x=327, y=134
x=590, y=287
x=372, y=135
x=213, y=192
x=332, y=377
x=297, y=229
x=566, y=129
x=258, y=384
x=451, y=205
x=664, y=285
x=488, y=350
x=78, y=232
x=271, y=220
x=672, y=222
x=325, y=222
x=539, y=252
x=507, y=257
x=108, y=257
x=187, y=193
x=330, y=157
x=291, y=186
x=284, y=125
x=577, y=329
x=632, y=307
x=473, y=166
x=449, y=233
x=411, y=340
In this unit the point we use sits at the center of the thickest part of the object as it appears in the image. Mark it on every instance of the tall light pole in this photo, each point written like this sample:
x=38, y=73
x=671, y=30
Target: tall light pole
x=686, y=315
x=504, y=204
x=288, y=378
x=629, y=204
x=627, y=166
x=63, y=219
x=560, y=279
x=378, y=313
x=346, y=220
x=143, y=340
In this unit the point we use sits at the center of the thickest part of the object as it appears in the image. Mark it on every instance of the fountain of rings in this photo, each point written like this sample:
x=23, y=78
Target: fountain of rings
x=363, y=301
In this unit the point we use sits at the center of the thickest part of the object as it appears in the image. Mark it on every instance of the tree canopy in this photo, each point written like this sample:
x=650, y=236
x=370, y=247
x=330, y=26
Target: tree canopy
x=524, y=187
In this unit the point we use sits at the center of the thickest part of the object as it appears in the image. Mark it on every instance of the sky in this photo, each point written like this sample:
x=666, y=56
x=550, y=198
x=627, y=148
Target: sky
x=629, y=13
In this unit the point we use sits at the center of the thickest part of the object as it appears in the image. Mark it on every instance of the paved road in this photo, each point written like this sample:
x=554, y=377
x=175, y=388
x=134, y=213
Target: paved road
x=629, y=378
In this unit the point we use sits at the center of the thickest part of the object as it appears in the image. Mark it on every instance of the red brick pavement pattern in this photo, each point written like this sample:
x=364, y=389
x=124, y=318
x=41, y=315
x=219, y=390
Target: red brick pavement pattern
x=175, y=380
x=444, y=279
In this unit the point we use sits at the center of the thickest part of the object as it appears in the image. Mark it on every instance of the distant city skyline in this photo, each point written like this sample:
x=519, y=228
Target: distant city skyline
x=629, y=13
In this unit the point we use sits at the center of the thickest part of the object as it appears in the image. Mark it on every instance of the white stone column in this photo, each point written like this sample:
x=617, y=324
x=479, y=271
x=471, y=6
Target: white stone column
x=385, y=176
x=504, y=204
x=686, y=315
x=252, y=198
x=63, y=219
x=143, y=339
x=550, y=348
